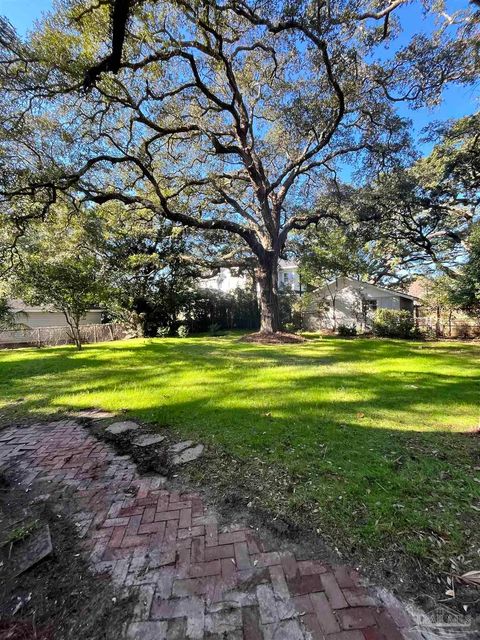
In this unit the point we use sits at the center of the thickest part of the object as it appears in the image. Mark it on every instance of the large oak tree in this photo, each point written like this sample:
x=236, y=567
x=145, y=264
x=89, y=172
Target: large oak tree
x=221, y=116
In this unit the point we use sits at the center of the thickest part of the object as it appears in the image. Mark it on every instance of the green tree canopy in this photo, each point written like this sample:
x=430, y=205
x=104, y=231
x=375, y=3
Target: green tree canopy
x=229, y=117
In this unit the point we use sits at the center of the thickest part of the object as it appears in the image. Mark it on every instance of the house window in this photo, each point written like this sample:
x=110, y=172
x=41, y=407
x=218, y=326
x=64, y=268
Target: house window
x=370, y=306
x=285, y=277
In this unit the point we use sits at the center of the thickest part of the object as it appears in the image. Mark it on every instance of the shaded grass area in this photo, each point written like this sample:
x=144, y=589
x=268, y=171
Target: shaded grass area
x=368, y=442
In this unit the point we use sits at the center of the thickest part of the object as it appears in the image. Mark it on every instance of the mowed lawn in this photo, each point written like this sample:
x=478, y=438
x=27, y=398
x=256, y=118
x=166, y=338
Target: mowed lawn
x=371, y=443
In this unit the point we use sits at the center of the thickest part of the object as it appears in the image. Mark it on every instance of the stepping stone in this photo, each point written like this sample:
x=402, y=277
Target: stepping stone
x=188, y=455
x=148, y=440
x=180, y=446
x=94, y=414
x=118, y=428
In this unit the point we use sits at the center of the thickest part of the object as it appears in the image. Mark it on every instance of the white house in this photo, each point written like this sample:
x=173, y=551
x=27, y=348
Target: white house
x=353, y=302
x=226, y=281
x=31, y=318
x=34, y=317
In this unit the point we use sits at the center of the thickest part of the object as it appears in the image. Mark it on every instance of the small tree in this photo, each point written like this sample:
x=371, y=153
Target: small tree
x=69, y=285
x=9, y=319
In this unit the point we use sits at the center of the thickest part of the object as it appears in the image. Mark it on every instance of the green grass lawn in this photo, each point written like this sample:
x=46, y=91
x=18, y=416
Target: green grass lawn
x=363, y=440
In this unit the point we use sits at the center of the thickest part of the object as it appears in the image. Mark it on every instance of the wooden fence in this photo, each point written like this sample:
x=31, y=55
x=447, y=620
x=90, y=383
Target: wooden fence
x=52, y=336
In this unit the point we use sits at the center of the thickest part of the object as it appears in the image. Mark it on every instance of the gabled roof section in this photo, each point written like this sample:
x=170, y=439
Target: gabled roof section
x=376, y=286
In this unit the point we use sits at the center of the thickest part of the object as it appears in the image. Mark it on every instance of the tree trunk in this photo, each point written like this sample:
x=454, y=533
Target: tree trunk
x=74, y=324
x=267, y=278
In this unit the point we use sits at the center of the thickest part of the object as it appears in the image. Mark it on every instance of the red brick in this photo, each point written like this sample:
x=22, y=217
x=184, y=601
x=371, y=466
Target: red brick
x=358, y=597
x=324, y=613
x=133, y=525
x=198, y=550
x=388, y=627
x=302, y=585
x=192, y=586
x=228, y=567
x=117, y=537
x=333, y=591
x=171, y=531
x=231, y=537
x=116, y=554
x=146, y=502
x=309, y=567
x=181, y=504
x=212, y=568
x=347, y=635
x=151, y=527
x=211, y=534
x=253, y=545
x=166, y=515
x=197, y=507
x=266, y=559
x=148, y=515
x=303, y=604
x=185, y=519
x=356, y=618
x=183, y=563
x=133, y=541
x=347, y=577
x=251, y=624
x=115, y=522
x=215, y=553
x=289, y=564
x=312, y=625
x=192, y=532
x=241, y=555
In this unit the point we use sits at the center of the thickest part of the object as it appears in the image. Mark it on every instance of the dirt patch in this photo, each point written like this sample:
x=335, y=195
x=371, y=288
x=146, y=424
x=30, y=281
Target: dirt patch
x=279, y=337
x=58, y=598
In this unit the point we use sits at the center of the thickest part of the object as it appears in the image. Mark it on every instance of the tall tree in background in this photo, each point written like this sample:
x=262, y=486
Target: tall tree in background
x=223, y=116
x=467, y=286
x=423, y=216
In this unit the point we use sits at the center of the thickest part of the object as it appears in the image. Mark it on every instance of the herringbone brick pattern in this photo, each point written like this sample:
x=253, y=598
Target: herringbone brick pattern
x=193, y=579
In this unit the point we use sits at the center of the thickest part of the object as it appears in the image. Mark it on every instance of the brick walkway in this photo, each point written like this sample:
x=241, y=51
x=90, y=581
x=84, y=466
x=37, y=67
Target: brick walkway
x=193, y=579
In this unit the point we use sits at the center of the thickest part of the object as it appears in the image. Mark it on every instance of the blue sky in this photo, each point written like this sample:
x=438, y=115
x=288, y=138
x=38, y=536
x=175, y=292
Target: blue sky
x=457, y=102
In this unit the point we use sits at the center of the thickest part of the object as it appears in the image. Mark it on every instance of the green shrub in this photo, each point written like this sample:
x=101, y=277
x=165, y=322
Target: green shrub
x=390, y=323
x=163, y=332
x=347, y=331
x=182, y=331
x=215, y=329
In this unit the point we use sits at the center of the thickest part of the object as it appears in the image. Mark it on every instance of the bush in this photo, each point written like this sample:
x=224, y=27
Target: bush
x=182, y=331
x=163, y=332
x=291, y=327
x=347, y=331
x=215, y=329
x=390, y=323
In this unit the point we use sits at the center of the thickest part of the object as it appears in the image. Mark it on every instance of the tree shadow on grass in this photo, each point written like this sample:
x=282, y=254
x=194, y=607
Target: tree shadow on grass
x=328, y=435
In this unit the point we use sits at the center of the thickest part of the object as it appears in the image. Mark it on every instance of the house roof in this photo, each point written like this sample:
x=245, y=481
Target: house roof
x=17, y=305
x=391, y=291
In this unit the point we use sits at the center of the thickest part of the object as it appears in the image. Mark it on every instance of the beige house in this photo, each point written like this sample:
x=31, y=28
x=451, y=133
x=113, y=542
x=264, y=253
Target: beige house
x=33, y=317
x=43, y=325
x=353, y=303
